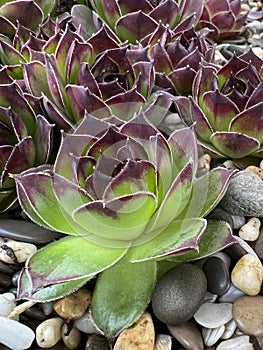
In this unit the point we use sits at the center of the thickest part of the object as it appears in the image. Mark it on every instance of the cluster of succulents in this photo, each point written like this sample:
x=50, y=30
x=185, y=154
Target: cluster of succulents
x=82, y=99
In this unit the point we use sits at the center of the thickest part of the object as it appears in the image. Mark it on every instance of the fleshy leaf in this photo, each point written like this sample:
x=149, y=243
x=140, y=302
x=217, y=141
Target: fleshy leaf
x=114, y=309
x=70, y=258
x=180, y=235
x=82, y=19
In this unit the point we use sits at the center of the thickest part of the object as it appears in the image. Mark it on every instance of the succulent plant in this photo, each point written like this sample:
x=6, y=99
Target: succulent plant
x=224, y=18
x=25, y=138
x=126, y=197
x=135, y=21
x=227, y=106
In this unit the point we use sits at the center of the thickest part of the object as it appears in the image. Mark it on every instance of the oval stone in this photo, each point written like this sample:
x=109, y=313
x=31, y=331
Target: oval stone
x=217, y=275
x=213, y=315
x=179, y=293
x=248, y=314
x=188, y=335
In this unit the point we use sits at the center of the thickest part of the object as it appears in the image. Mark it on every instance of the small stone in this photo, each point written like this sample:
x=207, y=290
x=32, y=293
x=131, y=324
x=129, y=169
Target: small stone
x=163, y=342
x=229, y=164
x=139, y=336
x=256, y=170
x=248, y=314
x=179, y=293
x=244, y=195
x=48, y=333
x=7, y=303
x=203, y=164
x=230, y=328
x=35, y=313
x=247, y=274
x=217, y=275
x=71, y=337
x=5, y=280
x=238, y=221
x=250, y=231
x=259, y=245
x=86, y=324
x=240, y=343
x=47, y=308
x=74, y=305
x=213, y=315
x=188, y=335
x=13, y=252
x=210, y=297
x=212, y=335
x=222, y=215
x=15, y=335
x=97, y=342
x=224, y=257
x=232, y=294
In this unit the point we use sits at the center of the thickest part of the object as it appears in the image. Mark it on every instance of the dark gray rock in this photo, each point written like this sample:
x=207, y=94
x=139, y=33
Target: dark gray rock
x=179, y=293
x=217, y=275
x=244, y=195
x=97, y=342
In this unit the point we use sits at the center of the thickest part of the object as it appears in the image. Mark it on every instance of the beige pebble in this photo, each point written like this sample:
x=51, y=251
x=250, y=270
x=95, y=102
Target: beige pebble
x=163, y=342
x=247, y=274
x=256, y=170
x=203, y=164
x=74, y=305
x=139, y=336
x=12, y=252
x=48, y=333
x=251, y=230
x=258, y=51
x=248, y=314
x=188, y=335
x=71, y=338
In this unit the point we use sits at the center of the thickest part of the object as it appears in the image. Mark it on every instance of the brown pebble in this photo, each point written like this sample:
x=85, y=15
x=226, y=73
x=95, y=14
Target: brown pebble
x=203, y=164
x=256, y=170
x=188, y=335
x=248, y=314
x=73, y=306
x=139, y=336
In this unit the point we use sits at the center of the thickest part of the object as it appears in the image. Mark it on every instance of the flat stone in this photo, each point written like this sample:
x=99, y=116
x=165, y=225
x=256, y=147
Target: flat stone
x=238, y=343
x=212, y=335
x=179, y=293
x=244, y=195
x=213, y=315
x=217, y=275
x=188, y=335
x=140, y=335
x=247, y=274
x=15, y=335
x=248, y=314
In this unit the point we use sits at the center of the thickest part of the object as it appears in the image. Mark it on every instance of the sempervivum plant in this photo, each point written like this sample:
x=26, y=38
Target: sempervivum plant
x=126, y=197
x=94, y=76
x=135, y=21
x=25, y=138
x=224, y=18
x=227, y=106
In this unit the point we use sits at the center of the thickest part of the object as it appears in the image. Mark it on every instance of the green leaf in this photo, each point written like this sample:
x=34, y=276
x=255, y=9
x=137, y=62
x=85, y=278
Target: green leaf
x=121, y=294
x=82, y=18
x=217, y=236
x=69, y=259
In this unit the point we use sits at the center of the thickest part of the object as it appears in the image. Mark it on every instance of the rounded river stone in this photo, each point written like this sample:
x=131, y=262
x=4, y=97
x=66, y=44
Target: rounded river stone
x=217, y=274
x=179, y=293
x=244, y=195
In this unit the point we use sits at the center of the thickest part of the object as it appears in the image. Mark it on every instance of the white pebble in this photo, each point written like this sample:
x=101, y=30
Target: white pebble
x=238, y=343
x=238, y=221
x=15, y=335
x=86, y=325
x=210, y=297
x=13, y=251
x=163, y=342
x=48, y=333
x=213, y=315
x=7, y=303
x=229, y=164
x=230, y=328
x=250, y=231
x=212, y=335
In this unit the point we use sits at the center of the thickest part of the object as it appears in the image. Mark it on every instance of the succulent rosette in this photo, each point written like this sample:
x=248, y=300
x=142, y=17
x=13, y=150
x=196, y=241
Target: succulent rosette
x=25, y=138
x=126, y=197
x=135, y=21
x=227, y=106
x=224, y=18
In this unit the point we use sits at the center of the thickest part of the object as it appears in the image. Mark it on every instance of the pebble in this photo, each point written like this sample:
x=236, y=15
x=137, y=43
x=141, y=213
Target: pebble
x=97, y=342
x=86, y=325
x=248, y=314
x=7, y=303
x=256, y=170
x=238, y=221
x=220, y=214
x=210, y=297
x=163, y=342
x=250, y=231
x=212, y=335
x=217, y=275
x=203, y=164
x=244, y=195
x=48, y=333
x=140, y=335
x=213, y=315
x=179, y=293
x=6, y=269
x=74, y=305
x=24, y=231
x=238, y=343
x=15, y=335
x=47, y=308
x=224, y=257
x=5, y=280
x=247, y=274
x=188, y=335
x=71, y=337
x=259, y=245
x=12, y=252
x=230, y=328
x=231, y=295
x=36, y=313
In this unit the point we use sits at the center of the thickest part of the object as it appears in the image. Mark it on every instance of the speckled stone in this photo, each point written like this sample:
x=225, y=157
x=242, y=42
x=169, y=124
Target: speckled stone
x=248, y=314
x=217, y=275
x=188, y=335
x=179, y=293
